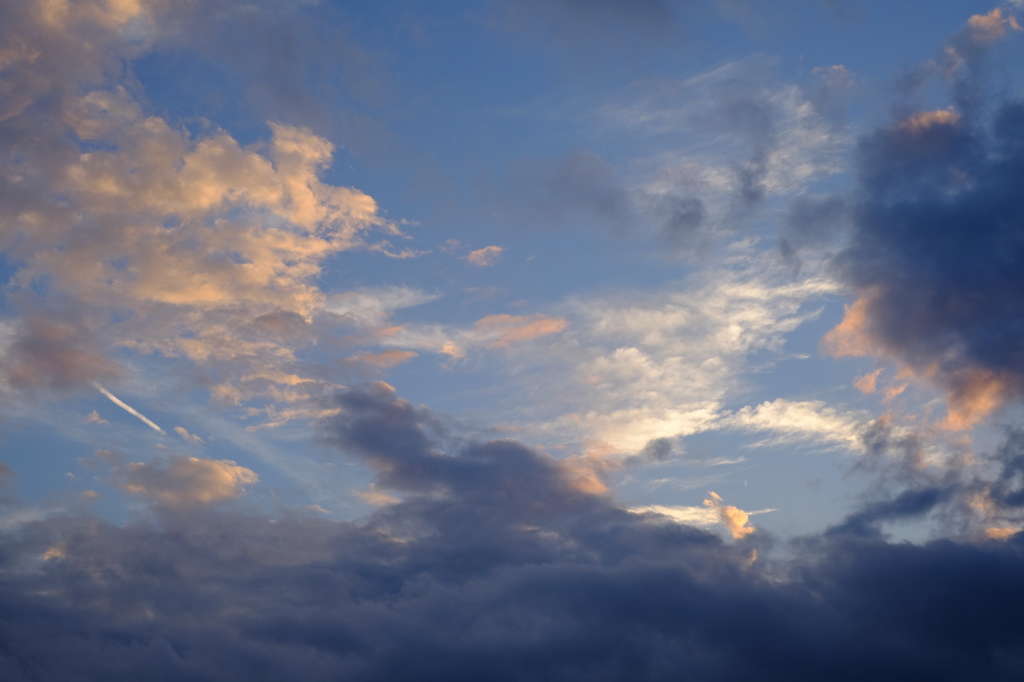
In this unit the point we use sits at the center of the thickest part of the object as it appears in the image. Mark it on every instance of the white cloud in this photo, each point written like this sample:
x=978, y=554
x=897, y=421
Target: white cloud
x=128, y=408
x=637, y=365
x=724, y=117
x=735, y=520
x=372, y=306
x=793, y=421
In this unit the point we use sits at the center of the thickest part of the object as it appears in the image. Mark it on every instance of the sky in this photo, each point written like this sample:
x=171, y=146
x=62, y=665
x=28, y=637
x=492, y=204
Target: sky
x=511, y=340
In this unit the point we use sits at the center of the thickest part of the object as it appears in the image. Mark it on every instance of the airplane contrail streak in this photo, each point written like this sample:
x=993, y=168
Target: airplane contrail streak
x=128, y=408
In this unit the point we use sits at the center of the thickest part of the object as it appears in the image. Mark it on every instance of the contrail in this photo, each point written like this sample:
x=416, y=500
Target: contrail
x=128, y=408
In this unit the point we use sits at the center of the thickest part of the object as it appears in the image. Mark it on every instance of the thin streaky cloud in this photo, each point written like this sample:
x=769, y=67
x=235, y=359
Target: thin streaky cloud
x=128, y=408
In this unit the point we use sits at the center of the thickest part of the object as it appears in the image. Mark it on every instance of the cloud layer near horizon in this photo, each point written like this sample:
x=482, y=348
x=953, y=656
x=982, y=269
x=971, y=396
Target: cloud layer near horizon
x=494, y=565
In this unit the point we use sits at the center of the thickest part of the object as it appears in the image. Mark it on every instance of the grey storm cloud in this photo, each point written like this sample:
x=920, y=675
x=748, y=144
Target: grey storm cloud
x=493, y=567
x=935, y=242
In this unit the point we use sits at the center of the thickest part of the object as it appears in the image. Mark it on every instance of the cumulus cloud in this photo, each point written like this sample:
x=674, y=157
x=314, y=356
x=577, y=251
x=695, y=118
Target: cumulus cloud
x=715, y=511
x=190, y=247
x=934, y=244
x=178, y=480
x=489, y=255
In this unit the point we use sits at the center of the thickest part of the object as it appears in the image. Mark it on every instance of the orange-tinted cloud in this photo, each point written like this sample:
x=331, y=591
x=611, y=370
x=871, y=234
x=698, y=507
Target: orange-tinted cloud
x=995, y=533
x=185, y=480
x=384, y=360
x=992, y=26
x=509, y=329
x=852, y=336
x=974, y=394
x=585, y=474
x=489, y=255
x=867, y=383
x=735, y=520
x=925, y=120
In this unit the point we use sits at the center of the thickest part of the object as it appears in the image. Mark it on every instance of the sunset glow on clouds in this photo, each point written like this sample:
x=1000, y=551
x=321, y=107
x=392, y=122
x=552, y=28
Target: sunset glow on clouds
x=511, y=340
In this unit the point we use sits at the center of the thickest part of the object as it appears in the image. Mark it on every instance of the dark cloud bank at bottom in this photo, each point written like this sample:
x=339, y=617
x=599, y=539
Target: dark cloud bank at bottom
x=493, y=568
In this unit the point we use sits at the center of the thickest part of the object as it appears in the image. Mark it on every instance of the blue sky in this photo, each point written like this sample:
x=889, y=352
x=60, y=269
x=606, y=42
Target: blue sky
x=506, y=285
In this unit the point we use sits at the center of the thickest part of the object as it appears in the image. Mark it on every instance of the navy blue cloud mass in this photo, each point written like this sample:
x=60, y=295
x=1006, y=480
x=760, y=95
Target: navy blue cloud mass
x=935, y=238
x=493, y=567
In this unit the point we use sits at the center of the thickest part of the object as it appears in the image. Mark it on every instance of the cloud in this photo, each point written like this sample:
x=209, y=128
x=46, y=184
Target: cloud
x=384, y=360
x=178, y=480
x=794, y=421
x=95, y=418
x=867, y=383
x=743, y=140
x=371, y=307
x=992, y=26
x=187, y=247
x=189, y=437
x=491, y=566
x=128, y=408
x=503, y=331
x=735, y=520
x=714, y=511
x=55, y=354
x=489, y=255
x=637, y=366
x=933, y=250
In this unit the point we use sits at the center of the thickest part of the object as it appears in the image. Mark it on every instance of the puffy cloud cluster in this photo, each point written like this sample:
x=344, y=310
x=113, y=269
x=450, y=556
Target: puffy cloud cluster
x=130, y=231
x=936, y=242
x=185, y=480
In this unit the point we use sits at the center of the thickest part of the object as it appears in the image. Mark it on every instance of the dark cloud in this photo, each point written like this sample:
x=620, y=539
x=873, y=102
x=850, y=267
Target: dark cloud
x=749, y=113
x=682, y=218
x=583, y=188
x=493, y=567
x=580, y=186
x=936, y=246
x=909, y=504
